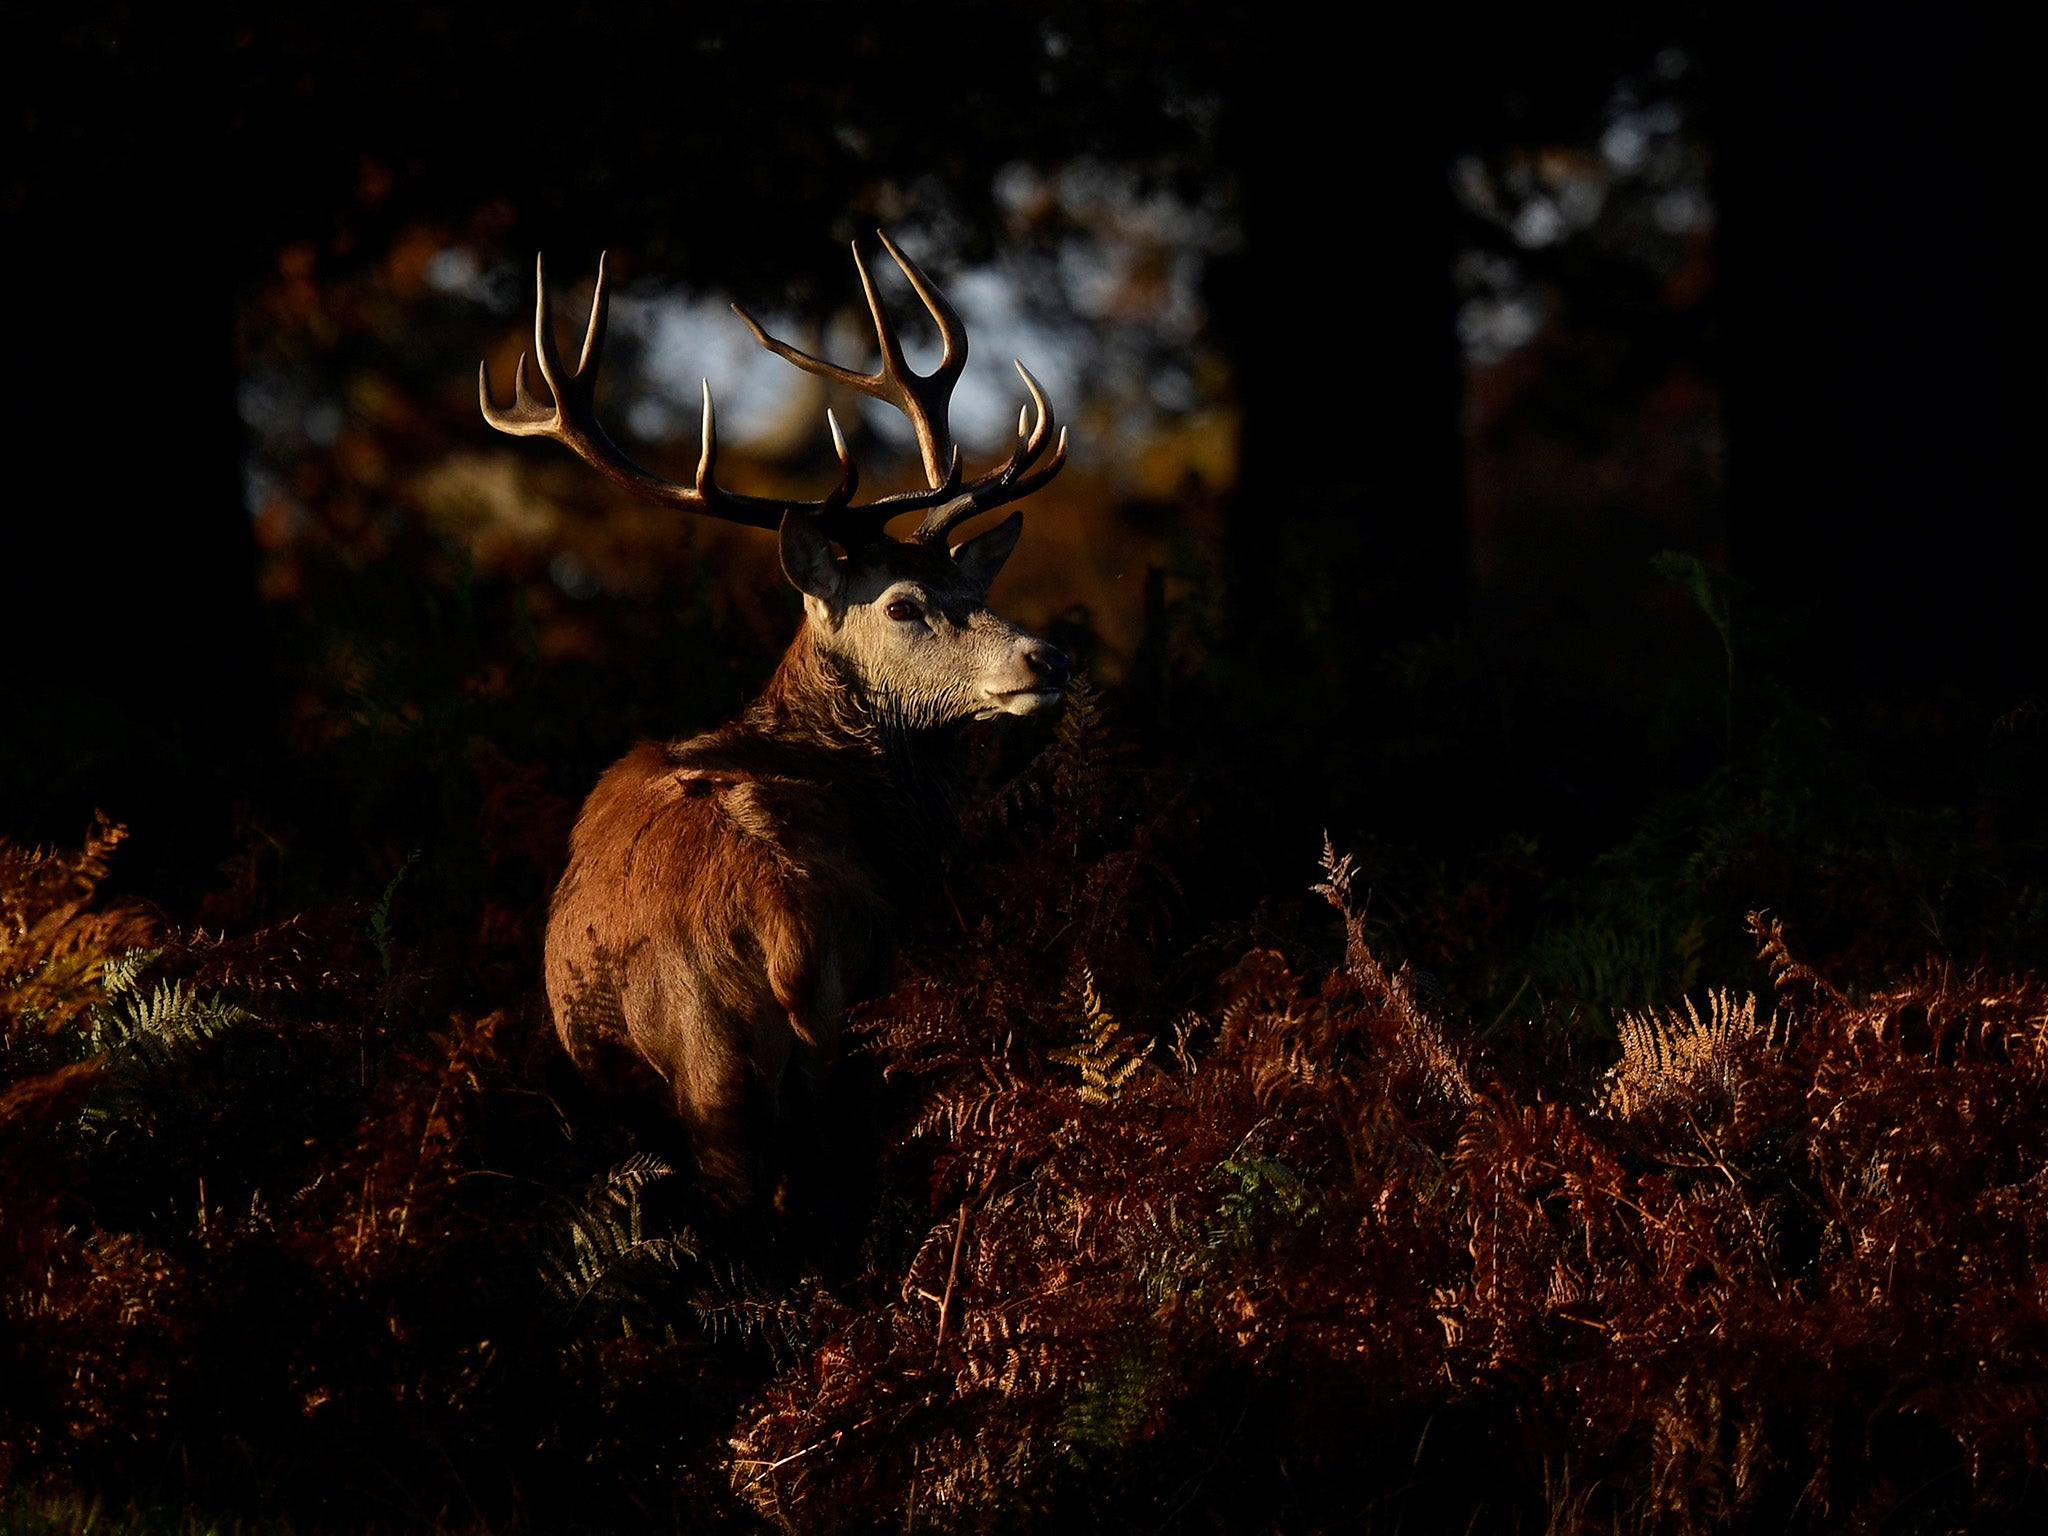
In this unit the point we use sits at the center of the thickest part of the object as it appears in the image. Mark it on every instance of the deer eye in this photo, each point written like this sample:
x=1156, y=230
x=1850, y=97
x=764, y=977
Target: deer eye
x=903, y=611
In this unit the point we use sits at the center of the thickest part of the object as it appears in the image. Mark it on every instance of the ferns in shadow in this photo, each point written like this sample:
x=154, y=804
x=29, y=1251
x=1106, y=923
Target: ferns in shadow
x=1240, y=1224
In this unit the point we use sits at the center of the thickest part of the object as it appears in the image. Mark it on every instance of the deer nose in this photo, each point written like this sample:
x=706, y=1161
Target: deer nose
x=1050, y=663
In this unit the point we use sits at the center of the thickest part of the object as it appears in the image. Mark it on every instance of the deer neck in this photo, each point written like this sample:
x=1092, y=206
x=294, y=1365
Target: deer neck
x=817, y=707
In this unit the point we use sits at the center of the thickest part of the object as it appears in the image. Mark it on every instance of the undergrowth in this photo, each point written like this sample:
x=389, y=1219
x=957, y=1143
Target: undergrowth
x=1179, y=1220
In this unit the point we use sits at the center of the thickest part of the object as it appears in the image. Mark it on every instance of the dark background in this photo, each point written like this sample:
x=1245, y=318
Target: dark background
x=1581, y=460
x=1427, y=617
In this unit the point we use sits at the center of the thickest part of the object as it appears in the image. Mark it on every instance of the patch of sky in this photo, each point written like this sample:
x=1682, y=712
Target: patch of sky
x=1639, y=187
x=1502, y=312
x=573, y=575
x=263, y=492
x=270, y=402
x=459, y=273
x=322, y=423
x=1625, y=144
x=1683, y=210
x=281, y=411
x=685, y=338
x=454, y=270
x=991, y=300
x=259, y=487
x=1096, y=286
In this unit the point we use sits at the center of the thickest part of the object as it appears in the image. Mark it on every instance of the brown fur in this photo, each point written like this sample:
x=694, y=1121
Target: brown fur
x=728, y=896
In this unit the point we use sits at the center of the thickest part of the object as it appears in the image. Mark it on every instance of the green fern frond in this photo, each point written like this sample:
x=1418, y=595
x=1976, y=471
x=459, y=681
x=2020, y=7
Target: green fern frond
x=382, y=932
x=735, y=1306
x=602, y=1261
x=1116, y=1401
x=124, y=973
x=156, y=1027
x=1263, y=1194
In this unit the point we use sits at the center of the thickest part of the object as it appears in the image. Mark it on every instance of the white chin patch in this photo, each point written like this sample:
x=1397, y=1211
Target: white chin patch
x=1025, y=701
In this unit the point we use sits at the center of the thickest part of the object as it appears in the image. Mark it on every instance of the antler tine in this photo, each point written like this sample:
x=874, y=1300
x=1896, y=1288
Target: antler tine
x=1043, y=406
x=572, y=419
x=863, y=382
x=993, y=490
x=545, y=352
x=1044, y=472
x=893, y=368
x=849, y=472
x=600, y=312
x=707, y=445
x=952, y=334
x=924, y=399
x=1009, y=481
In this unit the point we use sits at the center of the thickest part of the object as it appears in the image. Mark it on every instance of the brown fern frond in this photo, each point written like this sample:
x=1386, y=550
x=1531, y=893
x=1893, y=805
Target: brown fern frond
x=1106, y=1053
x=1788, y=973
x=55, y=944
x=1335, y=886
x=1682, y=1053
x=27, y=1100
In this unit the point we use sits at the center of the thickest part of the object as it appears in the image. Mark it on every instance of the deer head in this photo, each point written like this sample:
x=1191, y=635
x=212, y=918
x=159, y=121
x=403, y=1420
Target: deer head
x=908, y=617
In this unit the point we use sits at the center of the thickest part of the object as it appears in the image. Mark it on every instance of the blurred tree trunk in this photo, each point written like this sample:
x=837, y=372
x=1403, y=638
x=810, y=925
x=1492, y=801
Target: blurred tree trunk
x=1349, y=521
x=1884, y=361
x=135, y=658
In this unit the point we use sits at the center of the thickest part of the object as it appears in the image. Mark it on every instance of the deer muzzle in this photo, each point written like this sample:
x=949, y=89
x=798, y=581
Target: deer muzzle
x=1041, y=678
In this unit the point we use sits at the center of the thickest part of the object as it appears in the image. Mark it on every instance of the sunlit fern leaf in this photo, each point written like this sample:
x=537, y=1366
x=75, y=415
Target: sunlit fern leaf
x=124, y=973
x=1681, y=1053
x=154, y=1028
x=602, y=1263
x=1107, y=1056
x=1335, y=886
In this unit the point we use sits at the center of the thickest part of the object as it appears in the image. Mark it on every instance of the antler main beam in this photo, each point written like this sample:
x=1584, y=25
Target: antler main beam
x=1008, y=482
x=926, y=399
x=571, y=420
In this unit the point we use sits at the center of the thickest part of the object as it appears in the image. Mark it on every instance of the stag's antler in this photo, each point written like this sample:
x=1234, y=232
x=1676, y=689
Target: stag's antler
x=924, y=399
x=1007, y=482
x=572, y=421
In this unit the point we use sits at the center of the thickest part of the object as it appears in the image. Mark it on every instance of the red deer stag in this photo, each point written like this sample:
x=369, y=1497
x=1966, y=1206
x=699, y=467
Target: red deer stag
x=727, y=897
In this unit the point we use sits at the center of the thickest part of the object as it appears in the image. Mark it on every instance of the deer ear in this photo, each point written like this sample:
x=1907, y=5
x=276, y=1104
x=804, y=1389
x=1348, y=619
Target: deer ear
x=982, y=556
x=808, y=561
